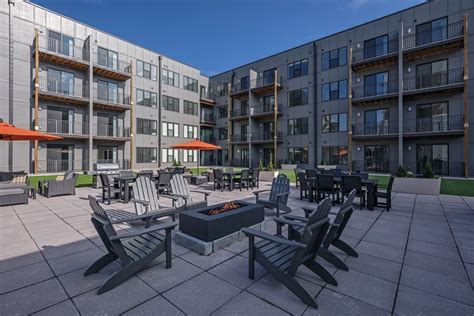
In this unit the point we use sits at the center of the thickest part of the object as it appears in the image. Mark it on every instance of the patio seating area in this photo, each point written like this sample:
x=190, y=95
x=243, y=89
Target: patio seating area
x=416, y=259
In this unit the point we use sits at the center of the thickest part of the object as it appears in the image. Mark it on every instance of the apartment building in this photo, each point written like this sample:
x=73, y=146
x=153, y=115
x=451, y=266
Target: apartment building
x=393, y=91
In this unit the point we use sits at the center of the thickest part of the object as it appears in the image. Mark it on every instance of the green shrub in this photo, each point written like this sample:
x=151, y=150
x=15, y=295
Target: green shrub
x=270, y=166
x=401, y=172
x=260, y=165
x=428, y=172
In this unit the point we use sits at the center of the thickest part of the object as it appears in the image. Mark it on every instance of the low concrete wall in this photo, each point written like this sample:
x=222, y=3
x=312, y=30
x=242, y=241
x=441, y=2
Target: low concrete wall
x=417, y=186
x=267, y=175
x=288, y=166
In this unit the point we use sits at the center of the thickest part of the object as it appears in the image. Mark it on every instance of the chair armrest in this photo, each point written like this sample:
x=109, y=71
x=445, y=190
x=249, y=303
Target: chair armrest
x=283, y=194
x=179, y=196
x=333, y=225
x=260, y=191
x=174, y=198
x=289, y=222
x=166, y=226
x=295, y=218
x=257, y=233
x=202, y=192
x=146, y=203
x=132, y=218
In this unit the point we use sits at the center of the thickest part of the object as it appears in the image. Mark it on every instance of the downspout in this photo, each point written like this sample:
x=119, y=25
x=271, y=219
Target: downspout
x=11, y=4
x=159, y=110
x=315, y=100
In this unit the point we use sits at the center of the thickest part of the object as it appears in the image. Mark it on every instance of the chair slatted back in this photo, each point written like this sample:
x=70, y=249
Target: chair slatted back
x=179, y=185
x=280, y=184
x=145, y=173
x=325, y=181
x=218, y=174
x=336, y=172
x=344, y=214
x=363, y=175
x=390, y=183
x=144, y=189
x=314, y=233
x=301, y=176
x=245, y=174
x=348, y=183
x=126, y=173
x=106, y=230
x=164, y=178
x=311, y=173
x=256, y=173
x=105, y=180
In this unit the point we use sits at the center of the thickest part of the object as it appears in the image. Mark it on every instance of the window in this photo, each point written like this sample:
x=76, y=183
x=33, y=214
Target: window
x=268, y=103
x=244, y=83
x=298, y=126
x=433, y=117
x=190, y=108
x=376, y=122
x=334, y=90
x=435, y=155
x=377, y=46
x=334, y=58
x=190, y=84
x=376, y=84
x=190, y=131
x=60, y=82
x=222, y=133
x=107, y=58
x=170, y=78
x=169, y=155
x=189, y=155
x=60, y=43
x=146, y=127
x=107, y=91
x=298, y=97
x=433, y=31
x=146, y=70
x=146, y=154
x=269, y=76
x=298, y=68
x=222, y=112
x=298, y=155
x=170, y=129
x=334, y=123
x=170, y=103
x=432, y=74
x=376, y=158
x=146, y=98
x=221, y=89
x=334, y=155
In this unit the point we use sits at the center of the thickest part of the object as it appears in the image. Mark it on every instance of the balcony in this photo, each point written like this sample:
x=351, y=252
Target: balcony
x=384, y=129
x=63, y=53
x=240, y=114
x=240, y=90
x=111, y=68
x=66, y=129
x=373, y=93
x=239, y=139
x=434, y=126
x=208, y=120
x=211, y=139
x=263, y=111
x=111, y=132
x=207, y=98
x=265, y=85
x=61, y=165
x=63, y=92
x=111, y=100
x=434, y=41
x=379, y=55
x=440, y=82
x=264, y=137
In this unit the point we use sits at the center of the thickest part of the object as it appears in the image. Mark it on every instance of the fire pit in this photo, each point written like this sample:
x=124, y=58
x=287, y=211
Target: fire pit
x=210, y=228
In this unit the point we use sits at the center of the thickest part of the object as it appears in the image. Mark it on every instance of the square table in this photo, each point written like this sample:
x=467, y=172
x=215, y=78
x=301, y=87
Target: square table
x=124, y=181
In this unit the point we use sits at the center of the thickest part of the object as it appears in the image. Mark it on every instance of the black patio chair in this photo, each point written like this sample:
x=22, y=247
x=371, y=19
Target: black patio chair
x=297, y=181
x=311, y=173
x=386, y=195
x=220, y=182
x=145, y=173
x=325, y=186
x=278, y=197
x=255, y=178
x=244, y=181
x=163, y=183
x=108, y=190
x=349, y=183
x=134, y=250
x=304, y=185
x=363, y=175
x=282, y=257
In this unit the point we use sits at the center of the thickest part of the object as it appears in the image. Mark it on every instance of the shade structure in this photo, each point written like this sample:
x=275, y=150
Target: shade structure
x=9, y=132
x=196, y=145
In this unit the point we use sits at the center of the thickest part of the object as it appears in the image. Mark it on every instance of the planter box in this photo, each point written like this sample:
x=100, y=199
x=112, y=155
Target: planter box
x=417, y=186
x=267, y=175
x=327, y=167
x=285, y=166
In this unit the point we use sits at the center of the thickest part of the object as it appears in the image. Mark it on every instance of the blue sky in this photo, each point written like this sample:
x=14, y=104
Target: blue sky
x=218, y=35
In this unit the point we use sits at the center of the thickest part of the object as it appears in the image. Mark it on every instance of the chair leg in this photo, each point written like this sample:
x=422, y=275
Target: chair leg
x=321, y=271
x=168, y=248
x=251, y=258
x=345, y=247
x=293, y=285
x=100, y=263
x=332, y=259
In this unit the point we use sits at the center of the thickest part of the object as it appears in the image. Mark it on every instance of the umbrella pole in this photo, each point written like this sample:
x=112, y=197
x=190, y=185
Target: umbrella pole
x=199, y=158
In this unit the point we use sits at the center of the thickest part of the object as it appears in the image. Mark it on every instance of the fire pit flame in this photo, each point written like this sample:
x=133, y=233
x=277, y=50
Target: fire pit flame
x=232, y=205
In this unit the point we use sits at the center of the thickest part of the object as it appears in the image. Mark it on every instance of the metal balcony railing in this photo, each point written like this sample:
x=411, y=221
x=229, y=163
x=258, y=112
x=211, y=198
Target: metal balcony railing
x=379, y=89
x=207, y=95
x=264, y=81
x=240, y=86
x=63, y=127
x=440, y=167
x=434, y=124
x=59, y=165
x=68, y=49
x=433, y=80
x=375, y=165
x=266, y=136
x=111, y=63
x=436, y=35
x=63, y=88
x=375, y=51
x=243, y=111
x=239, y=138
x=267, y=108
x=209, y=118
x=379, y=128
x=111, y=96
x=109, y=130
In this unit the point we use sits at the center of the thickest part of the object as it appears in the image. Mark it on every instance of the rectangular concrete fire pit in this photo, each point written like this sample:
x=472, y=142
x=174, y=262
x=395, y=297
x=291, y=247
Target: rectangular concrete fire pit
x=208, y=229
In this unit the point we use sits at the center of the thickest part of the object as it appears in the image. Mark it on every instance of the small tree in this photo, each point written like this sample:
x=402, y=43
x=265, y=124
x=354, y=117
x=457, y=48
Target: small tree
x=270, y=166
x=260, y=165
x=401, y=172
x=428, y=172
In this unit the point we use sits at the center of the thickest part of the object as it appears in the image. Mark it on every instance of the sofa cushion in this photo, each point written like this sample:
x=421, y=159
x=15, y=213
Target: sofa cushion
x=19, y=178
x=6, y=192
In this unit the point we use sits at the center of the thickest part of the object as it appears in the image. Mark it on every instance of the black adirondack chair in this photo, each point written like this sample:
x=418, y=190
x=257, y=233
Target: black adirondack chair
x=180, y=190
x=146, y=199
x=133, y=250
x=282, y=257
x=108, y=190
x=304, y=185
x=220, y=182
x=164, y=180
x=386, y=195
x=349, y=183
x=325, y=186
x=278, y=197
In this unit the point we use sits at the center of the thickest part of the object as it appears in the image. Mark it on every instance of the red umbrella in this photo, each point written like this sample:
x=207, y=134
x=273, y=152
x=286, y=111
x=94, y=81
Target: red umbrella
x=196, y=145
x=9, y=132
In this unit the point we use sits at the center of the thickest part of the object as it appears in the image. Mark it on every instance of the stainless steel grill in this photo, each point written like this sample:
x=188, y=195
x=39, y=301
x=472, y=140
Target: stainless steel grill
x=110, y=169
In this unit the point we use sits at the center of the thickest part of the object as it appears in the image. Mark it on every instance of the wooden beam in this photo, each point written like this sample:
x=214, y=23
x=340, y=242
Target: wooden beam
x=349, y=111
x=36, y=110
x=275, y=117
x=465, y=99
x=229, y=125
x=132, y=114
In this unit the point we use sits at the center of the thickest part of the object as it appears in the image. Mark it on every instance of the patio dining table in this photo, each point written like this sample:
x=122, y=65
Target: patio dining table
x=371, y=186
x=124, y=185
x=231, y=175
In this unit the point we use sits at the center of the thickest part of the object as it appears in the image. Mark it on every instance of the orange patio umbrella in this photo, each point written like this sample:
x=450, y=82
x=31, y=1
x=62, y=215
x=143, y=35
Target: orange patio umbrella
x=196, y=145
x=9, y=132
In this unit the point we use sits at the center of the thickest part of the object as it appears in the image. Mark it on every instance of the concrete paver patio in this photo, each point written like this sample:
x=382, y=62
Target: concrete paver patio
x=416, y=259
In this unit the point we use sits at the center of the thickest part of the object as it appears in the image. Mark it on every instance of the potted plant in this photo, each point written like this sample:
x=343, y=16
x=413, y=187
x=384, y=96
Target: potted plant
x=406, y=182
x=268, y=173
x=288, y=165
